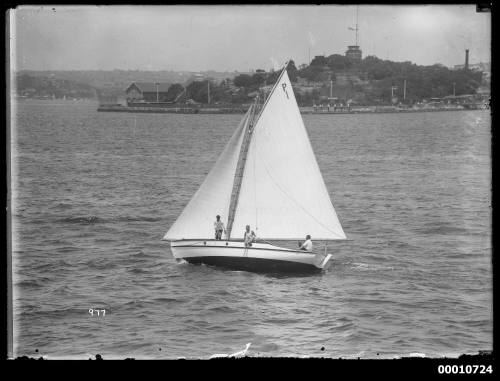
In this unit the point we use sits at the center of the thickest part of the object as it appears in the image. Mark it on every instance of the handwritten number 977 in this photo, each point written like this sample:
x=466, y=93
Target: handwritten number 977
x=97, y=312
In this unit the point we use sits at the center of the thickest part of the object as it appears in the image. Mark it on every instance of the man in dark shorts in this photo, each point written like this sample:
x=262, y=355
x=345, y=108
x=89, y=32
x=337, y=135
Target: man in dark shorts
x=219, y=228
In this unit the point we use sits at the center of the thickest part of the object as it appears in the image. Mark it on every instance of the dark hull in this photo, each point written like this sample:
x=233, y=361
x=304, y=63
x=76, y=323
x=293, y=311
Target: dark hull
x=257, y=265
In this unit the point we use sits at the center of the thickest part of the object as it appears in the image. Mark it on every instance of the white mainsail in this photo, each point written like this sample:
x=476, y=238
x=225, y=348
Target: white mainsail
x=213, y=196
x=283, y=195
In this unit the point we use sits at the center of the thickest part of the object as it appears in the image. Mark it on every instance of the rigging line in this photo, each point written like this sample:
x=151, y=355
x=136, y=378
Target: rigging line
x=255, y=187
x=291, y=198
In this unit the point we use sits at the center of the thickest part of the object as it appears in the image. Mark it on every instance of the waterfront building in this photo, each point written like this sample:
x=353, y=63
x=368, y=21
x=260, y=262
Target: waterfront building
x=147, y=91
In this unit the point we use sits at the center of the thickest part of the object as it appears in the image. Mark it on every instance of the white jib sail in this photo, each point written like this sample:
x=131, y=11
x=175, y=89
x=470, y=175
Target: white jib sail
x=283, y=195
x=213, y=196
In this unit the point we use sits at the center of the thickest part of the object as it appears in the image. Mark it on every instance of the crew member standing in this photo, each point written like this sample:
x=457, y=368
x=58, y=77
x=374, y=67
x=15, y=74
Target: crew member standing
x=249, y=236
x=219, y=228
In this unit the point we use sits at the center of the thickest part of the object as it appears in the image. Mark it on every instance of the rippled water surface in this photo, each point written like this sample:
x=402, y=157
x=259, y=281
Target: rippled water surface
x=93, y=194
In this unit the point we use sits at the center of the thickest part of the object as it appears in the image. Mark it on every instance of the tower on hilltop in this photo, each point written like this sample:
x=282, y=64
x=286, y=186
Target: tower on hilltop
x=353, y=51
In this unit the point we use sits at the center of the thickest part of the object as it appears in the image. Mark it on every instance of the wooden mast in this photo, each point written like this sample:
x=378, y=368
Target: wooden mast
x=240, y=168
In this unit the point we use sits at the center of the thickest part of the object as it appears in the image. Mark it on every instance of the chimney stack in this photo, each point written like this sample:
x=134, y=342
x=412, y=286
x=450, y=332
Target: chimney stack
x=466, y=67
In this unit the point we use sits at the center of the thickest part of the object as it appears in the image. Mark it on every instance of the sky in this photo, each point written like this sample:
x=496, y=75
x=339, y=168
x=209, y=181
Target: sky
x=240, y=38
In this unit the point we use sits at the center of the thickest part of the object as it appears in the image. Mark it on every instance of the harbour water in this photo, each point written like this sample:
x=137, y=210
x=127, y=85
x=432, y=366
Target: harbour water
x=93, y=193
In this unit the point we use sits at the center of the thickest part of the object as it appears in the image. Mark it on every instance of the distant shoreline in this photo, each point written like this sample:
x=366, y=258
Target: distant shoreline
x=241, y=110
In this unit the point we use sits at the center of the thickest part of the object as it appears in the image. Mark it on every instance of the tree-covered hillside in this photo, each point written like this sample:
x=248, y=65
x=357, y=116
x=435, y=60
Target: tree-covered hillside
x=369, y=81
x=52, y=87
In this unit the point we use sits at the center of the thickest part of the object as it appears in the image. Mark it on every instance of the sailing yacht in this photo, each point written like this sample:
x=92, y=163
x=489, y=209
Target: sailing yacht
x=266, y=177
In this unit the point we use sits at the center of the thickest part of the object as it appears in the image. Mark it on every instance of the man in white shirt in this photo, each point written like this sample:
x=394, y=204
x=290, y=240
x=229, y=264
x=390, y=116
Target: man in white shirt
x=307, y=245
x=249, y=236
x=219, y=228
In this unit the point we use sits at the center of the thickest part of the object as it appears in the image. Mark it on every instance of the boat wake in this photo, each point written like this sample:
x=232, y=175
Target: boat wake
x=370, y=267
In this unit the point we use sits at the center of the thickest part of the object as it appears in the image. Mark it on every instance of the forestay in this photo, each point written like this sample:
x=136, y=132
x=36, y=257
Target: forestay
x=213, y=196
x=283, y=195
